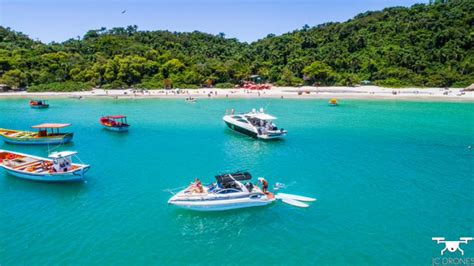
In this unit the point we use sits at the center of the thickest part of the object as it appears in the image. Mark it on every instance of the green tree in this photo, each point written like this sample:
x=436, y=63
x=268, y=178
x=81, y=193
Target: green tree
x=14, y=78
x=173, y=66
x=319, y=72
x=421, y=45
x=288, y=78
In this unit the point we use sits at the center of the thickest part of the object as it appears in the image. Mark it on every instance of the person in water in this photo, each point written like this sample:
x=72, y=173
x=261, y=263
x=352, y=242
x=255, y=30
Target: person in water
x=264, y=184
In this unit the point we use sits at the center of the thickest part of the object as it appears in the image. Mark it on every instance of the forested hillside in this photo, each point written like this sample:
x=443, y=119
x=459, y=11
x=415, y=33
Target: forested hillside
x=424, y=45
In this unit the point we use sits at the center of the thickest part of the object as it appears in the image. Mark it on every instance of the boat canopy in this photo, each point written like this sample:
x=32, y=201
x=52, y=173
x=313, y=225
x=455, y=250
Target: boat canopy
x=261, y=116
x=61, y=154
x=232, y=177
x=51, y=125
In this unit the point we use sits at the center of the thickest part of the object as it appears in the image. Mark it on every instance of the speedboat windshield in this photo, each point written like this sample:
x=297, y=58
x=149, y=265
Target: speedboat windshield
x=238, y=176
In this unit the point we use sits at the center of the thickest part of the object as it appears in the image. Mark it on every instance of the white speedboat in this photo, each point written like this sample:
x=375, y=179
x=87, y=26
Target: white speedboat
x=229, y=192
x=57, y=168
x=255, y=124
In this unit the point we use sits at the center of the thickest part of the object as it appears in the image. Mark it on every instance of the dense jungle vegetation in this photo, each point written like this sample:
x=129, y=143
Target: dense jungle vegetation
x=426, y=45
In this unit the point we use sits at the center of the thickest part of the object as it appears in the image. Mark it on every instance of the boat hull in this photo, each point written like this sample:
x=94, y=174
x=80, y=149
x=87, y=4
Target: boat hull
x=248, y=132
x=43, y=175
x=39, y=141
x=117, y=129
x=44, y=106
x=242, y=130
x=75, y=176
x=269, y=136
x=220, y=205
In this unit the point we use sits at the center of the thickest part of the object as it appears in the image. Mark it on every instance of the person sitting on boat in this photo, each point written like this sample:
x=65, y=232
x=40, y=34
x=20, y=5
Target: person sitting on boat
x=200, y=189
x=198, y=186
x=264, y=184
x=269, y=126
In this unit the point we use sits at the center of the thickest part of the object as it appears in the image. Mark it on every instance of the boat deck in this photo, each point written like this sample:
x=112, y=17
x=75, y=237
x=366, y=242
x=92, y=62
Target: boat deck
x=30, y=135
x=18, y=134
x=29, y=164
x=191, y=192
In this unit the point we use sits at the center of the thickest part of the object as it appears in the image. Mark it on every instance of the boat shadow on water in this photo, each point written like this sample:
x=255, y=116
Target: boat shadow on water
x=196, y=223
x=116, y=135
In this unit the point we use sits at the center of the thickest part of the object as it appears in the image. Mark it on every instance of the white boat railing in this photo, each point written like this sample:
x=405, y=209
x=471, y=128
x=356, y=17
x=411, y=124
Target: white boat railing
x=174, y=191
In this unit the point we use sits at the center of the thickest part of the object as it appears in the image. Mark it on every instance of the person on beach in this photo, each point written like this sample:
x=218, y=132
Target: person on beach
x=264, y=184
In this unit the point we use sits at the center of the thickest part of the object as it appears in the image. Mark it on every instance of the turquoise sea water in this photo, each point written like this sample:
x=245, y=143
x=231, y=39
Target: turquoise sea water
x=388, y=177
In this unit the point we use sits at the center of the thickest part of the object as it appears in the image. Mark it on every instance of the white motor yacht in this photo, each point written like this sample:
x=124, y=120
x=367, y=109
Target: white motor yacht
x=230, y=191
x=256, y=124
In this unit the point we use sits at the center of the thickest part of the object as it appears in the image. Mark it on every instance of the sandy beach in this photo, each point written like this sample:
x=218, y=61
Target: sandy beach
x=307, y=92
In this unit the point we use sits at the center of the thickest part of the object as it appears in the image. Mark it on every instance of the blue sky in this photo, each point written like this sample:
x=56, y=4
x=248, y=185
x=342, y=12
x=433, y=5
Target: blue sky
x=246, y=20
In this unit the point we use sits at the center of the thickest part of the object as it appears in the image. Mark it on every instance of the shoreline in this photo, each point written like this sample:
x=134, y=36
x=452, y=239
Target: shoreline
x=307, y=92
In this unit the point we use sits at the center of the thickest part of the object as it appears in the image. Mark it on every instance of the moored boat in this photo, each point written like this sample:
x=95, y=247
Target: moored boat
x=47, y=134
x=333, y=102
x=255, y=124
x=58, y=167
x=228, y=192
x=38, y=104
x=114, y=123
x=190, y=100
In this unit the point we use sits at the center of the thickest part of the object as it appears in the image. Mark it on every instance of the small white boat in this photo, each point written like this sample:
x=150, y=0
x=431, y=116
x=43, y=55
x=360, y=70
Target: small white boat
x=255, y=124
x=190, y=100
x=58, y=167
x=229, y=192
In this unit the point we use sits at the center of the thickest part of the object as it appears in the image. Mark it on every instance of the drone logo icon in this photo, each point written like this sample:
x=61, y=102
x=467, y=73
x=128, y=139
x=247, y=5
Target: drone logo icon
x=452, y=246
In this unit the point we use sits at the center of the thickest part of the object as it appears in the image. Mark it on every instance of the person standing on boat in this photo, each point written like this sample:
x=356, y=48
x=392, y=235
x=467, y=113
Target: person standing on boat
x=264, y=184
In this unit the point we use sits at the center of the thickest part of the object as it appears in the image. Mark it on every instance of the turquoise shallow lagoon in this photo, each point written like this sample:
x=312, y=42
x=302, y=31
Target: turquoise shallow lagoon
x=388, y=176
